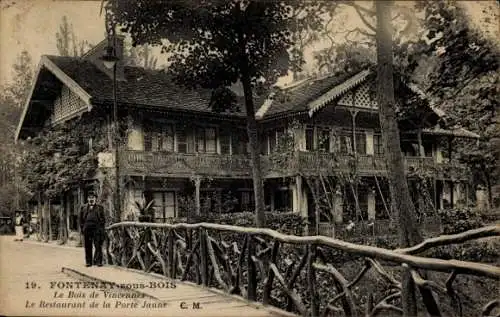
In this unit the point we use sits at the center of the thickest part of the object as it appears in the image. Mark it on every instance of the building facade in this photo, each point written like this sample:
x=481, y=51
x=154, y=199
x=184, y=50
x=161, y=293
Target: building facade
x=321, y=145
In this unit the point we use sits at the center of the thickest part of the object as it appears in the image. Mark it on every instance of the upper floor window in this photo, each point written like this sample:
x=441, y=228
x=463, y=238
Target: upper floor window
x=378, y=146
x=206, y=140
x=276, y=138
x=360, y=143
x=182, y=139
x=225, y=141
x=85, y=145
x=318, y=138
x=310, y=139
x=344, y=143
x=159, y=137
x=323, y=139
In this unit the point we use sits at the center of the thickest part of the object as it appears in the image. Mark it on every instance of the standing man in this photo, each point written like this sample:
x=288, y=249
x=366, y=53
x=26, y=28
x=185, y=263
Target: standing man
x=19, y=226
x=92, y=221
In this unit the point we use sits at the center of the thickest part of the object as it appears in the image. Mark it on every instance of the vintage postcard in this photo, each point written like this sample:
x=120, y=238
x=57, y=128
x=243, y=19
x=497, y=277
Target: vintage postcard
x=249, y=158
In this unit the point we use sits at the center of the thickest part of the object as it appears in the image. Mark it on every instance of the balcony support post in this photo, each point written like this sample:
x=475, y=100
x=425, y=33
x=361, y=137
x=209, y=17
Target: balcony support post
x=450, y=148
x=434, y=192
x=452, y=196
x=298, y=198
x=197, y=184
x=354, y=113
x=421, y=151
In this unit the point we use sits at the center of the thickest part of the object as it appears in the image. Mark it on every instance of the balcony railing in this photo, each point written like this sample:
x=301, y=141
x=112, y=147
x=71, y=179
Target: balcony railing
x=165, y=163
x=275, y=165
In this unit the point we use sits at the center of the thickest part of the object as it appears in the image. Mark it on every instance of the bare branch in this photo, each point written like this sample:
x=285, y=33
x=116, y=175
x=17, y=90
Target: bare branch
x=358, y=9
x=421, y=282
x=490, y=231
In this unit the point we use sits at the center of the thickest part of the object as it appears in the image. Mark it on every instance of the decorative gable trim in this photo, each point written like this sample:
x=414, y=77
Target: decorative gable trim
x=336, y=91
x=67, y=105
x=67, y=81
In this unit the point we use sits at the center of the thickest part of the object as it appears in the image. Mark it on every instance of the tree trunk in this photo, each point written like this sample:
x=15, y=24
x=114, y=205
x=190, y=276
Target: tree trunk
x=489, y=188
x=253, y=138
x=400, y=195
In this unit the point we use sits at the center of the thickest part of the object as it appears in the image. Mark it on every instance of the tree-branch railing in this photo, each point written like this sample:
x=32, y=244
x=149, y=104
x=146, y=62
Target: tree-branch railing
x=306, y=275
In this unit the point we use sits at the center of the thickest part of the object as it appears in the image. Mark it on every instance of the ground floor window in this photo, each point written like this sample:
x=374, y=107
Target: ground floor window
x=247, y=201
x=164, y=205
x=283, y=200
x=352, y=197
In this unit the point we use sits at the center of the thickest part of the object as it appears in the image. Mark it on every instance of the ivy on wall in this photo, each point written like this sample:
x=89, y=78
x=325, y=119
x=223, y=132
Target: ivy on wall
x=63, y=155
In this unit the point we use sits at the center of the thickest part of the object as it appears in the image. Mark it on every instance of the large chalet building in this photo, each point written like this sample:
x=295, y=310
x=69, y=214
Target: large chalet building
x=190, y=159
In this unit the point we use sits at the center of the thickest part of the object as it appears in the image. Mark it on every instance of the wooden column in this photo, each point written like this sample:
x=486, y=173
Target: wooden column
x=421, y=151
x=452, y=198
x=435, y=195
x=298, y=183
x=450, y=148
x=353, y=125
x=49, y=219
x=197, y=184
x=316, y=209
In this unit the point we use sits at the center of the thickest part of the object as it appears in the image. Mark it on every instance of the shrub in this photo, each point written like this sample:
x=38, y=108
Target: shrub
x=475, y=251
x=287, y=223
x=459, y=220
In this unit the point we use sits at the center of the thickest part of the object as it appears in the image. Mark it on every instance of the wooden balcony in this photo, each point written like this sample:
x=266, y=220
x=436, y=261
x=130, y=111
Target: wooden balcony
x=276, y=165
x=184, y=165
x=312, y=163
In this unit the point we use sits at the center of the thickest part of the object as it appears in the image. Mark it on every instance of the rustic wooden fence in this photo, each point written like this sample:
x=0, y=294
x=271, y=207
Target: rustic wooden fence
x=308, y=276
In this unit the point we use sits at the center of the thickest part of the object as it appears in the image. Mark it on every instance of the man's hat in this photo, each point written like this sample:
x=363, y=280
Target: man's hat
x=92, y=194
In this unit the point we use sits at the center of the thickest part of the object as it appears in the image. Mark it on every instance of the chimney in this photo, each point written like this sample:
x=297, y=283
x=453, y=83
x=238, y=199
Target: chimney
x=94, y=55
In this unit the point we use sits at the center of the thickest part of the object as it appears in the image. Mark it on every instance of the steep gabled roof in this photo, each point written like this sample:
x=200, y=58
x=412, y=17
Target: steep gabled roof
x=296, y=98
x=142, y=87
x=311, y=95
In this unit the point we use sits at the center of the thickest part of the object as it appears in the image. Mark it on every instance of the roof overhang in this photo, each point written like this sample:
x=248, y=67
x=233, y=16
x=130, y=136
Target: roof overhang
x=354, y=81
x=458, y=133
x=47, y=64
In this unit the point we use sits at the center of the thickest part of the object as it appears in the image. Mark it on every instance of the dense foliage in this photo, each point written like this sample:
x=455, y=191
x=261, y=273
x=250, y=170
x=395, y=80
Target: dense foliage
x=12, y=99
x=458, y=67
x=63, y=156
x=287, y=223
x=216, y=44
x=459, y=220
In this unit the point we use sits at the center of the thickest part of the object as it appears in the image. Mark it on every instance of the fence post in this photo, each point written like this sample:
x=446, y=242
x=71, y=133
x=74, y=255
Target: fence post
x=252, y=274
x=170, y=246
x=147, y=256
x=124, y=246
x=311, y=281
x=204, y=256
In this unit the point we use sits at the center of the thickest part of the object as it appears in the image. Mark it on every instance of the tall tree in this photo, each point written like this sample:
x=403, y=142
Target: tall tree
x=22, y=75
x=215, y=43
x=458, y=66
x=400, y=194
x=12, y=98
x=141, y=56
x=67, y=42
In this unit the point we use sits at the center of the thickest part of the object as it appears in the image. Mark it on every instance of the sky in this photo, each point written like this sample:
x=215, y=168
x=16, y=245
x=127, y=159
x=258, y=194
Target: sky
x=32, y=25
